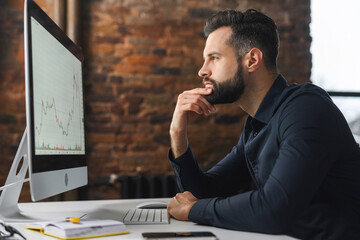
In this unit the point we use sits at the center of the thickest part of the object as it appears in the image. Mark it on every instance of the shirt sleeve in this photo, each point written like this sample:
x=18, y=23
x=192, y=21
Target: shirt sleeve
x=307, y=146
x=226, y=178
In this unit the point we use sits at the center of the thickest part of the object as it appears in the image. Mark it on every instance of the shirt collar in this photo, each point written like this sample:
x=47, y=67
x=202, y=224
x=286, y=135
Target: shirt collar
x=269, y=103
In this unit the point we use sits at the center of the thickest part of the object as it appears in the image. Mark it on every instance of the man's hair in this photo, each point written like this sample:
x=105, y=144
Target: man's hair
x=250, y=29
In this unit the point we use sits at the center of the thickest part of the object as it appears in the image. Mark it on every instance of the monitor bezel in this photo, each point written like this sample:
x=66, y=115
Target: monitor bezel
x=47, y=163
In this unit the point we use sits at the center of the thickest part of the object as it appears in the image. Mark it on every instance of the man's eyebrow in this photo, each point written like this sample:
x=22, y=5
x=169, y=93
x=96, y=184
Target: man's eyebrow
x=210, y=54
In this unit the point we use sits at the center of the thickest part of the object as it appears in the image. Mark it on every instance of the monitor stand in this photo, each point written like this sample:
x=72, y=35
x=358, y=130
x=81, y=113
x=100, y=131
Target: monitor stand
x=9, y=198
x=9, y=210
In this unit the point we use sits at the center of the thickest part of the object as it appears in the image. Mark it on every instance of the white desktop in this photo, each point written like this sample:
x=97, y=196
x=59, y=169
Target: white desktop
x=114, y=209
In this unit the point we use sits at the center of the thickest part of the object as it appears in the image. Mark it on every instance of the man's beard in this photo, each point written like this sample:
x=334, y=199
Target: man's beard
x=228, y=91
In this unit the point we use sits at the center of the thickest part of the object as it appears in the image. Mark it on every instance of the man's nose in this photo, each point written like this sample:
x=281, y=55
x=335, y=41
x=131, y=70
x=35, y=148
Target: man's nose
x=204, y=71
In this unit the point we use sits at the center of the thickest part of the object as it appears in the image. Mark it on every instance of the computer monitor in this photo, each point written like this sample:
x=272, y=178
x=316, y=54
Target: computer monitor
x=53, y=144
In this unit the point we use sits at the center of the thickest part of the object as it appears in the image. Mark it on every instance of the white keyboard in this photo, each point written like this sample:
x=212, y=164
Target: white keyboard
x=147, y=216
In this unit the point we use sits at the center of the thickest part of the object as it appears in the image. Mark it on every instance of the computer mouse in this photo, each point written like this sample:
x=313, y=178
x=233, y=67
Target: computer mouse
x=152, y=205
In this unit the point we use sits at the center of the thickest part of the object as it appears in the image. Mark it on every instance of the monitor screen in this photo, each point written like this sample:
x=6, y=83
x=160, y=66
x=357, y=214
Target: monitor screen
x=58, y=98
x=54, y=106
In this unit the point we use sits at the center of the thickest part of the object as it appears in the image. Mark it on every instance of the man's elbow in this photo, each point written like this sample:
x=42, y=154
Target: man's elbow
x=275, y=227
x=276, y=224
x=265, y=224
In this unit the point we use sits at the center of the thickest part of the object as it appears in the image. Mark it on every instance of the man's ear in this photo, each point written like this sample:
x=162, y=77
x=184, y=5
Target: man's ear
x=253, y=59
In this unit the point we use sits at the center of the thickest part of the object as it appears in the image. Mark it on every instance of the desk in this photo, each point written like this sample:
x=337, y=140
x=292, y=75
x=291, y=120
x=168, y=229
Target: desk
x=112, y=209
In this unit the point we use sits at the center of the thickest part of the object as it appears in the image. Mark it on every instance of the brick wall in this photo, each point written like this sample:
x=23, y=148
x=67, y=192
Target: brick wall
x=139, y=55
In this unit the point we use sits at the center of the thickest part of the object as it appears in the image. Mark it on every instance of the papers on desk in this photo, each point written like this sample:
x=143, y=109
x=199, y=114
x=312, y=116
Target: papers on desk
x=81, y=230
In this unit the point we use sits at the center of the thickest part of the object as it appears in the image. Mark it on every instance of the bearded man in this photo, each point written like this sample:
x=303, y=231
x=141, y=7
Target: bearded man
x=296, y=148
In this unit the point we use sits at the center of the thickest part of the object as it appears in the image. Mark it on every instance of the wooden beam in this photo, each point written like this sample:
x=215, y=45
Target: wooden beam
x=59, y=13
x=73, y=20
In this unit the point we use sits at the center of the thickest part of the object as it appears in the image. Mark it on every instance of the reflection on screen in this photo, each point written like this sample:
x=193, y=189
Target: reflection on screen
x=58, y=100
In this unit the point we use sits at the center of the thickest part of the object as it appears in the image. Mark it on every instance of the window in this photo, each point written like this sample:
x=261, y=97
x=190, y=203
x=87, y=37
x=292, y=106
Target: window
x=335, y=52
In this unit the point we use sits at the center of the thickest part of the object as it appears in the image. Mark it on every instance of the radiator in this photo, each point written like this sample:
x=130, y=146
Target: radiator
x=147, y=186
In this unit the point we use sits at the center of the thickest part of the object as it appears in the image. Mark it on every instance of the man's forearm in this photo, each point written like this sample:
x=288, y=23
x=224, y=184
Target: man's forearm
x=179, y=142
x=190, y=105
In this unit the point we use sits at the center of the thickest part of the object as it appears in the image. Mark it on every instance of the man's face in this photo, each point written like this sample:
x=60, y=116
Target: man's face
x=221, y=70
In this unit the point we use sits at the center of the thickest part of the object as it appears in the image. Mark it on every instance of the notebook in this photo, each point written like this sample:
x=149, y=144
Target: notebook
x=81, y=230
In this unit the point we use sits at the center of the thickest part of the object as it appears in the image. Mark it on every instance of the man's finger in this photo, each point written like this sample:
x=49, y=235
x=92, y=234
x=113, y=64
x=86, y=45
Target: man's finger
x=198, y=100
x=201, y=91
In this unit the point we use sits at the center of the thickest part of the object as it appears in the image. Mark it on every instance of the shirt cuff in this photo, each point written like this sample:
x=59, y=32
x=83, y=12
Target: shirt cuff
x=199, y=212
x=181, y=159
x=176, y=164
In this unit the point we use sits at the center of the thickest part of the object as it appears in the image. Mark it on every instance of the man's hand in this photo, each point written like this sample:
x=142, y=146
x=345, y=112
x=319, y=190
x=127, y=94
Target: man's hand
x=180, y=205
x=190, y=105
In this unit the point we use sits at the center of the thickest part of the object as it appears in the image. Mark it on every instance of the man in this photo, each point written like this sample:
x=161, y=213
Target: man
x=296, y=147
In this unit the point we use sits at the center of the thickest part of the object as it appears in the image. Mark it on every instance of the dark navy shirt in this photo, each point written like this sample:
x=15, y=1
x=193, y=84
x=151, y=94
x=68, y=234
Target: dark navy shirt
x=299, y=154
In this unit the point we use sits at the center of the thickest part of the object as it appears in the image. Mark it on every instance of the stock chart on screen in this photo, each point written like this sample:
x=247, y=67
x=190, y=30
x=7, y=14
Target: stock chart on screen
x=58, y=96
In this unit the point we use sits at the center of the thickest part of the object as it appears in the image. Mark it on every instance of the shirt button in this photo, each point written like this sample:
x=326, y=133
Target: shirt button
x=255, y=134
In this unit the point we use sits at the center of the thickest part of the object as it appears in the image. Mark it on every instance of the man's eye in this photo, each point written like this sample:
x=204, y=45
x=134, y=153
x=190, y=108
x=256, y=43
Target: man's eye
x=214, y=57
